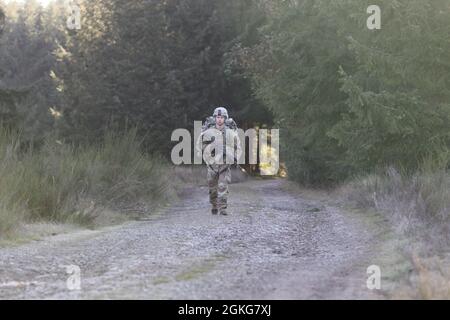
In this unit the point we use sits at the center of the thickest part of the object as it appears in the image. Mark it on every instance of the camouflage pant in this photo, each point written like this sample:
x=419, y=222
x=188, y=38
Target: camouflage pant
x=218, y=178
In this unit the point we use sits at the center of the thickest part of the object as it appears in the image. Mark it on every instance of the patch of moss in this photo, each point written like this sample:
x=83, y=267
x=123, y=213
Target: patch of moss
x=200, y=269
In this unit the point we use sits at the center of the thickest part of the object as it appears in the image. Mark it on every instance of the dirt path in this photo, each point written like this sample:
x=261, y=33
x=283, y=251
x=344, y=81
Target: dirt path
x=274, y=245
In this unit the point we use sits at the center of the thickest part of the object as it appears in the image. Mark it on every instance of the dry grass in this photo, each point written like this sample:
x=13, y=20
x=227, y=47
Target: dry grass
x=25, y=232
x=60, y=183
x=429, y=281
x=418, y=207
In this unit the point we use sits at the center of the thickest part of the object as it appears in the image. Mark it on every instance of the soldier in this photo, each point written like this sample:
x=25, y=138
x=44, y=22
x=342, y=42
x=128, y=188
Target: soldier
x=221, y=147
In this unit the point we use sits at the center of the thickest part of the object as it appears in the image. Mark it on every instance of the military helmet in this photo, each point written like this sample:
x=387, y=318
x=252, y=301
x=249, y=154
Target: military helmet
x=221, y=111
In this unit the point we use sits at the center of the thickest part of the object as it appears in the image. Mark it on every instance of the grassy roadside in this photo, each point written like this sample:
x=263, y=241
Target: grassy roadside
x=387, y=249
x=59, y=188
x=409, y=216
x=417, y=207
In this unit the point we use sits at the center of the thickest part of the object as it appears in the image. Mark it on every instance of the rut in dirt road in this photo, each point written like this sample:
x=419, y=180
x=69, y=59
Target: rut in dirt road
x=274, y=245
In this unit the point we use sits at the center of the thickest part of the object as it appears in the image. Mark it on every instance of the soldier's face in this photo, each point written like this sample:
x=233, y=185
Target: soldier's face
x=220, y=120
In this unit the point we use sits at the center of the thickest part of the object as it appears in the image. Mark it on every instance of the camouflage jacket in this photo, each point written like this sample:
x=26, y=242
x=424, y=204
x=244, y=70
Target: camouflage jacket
x=219, y=147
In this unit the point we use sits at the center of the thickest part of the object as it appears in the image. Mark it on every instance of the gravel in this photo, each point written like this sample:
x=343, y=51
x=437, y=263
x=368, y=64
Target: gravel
x=273, y=245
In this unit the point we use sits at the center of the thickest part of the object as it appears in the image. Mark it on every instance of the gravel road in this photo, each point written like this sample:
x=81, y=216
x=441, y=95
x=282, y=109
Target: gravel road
x=274, y=245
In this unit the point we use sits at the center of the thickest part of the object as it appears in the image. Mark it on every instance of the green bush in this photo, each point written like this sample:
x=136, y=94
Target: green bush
x=350, y=100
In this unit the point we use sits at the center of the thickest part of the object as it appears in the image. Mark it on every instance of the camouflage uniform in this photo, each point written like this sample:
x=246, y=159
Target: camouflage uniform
x=218, y=186
x=219, y=174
